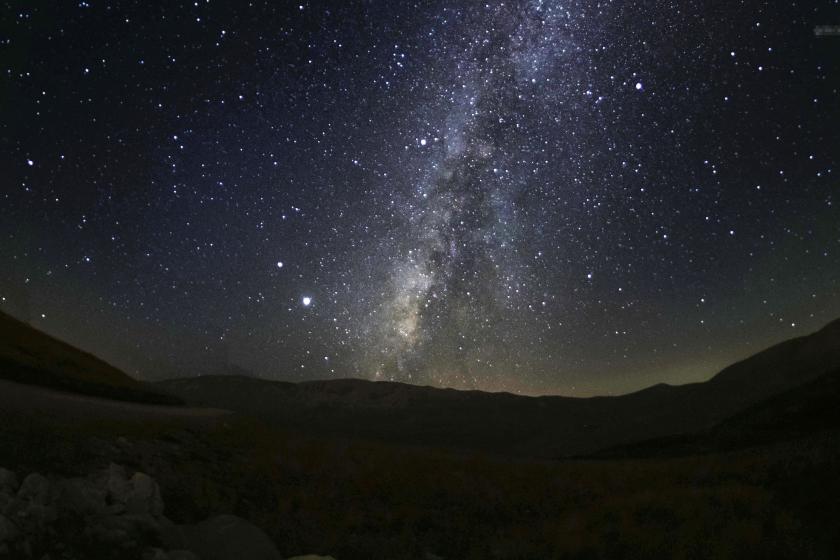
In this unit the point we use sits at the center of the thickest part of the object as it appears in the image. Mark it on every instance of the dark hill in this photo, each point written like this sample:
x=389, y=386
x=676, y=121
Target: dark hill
x=29, y=356
x=797, y=413
x=517, y=425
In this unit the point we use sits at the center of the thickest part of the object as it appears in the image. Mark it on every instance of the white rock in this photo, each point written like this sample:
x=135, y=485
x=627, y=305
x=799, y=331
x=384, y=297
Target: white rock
x=39, y=514
x=181, y=555
x=143, y=495
x=116, y=486
x=227, y=537
x=6, y=502
x=8, y=530
x=35, y=488
x=81, y=496
x=115, y=529
x=155, y=554
x=8, y=481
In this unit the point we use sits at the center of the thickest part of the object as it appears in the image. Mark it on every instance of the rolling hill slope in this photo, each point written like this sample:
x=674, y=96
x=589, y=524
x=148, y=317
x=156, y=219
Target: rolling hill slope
x=30, y=356
x=517, y=425
x=800, y=412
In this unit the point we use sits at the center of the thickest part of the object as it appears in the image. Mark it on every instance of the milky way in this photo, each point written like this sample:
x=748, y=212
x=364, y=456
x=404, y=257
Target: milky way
x=463, y=287
x=568, y=197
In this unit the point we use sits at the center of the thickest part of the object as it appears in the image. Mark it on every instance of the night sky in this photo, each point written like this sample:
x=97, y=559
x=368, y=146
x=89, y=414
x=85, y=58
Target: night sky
x=578, y=197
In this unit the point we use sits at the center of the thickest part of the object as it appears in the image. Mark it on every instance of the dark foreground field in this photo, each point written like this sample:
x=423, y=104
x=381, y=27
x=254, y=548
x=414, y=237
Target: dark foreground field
x=761, y=483
x=364, y=500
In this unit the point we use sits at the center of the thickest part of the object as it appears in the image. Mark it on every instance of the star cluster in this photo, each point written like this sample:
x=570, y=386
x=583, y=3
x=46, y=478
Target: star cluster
x=578, y=197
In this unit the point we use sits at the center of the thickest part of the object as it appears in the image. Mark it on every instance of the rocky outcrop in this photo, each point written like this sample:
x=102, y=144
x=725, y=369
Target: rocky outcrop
x=74, y=517
x=113, y=515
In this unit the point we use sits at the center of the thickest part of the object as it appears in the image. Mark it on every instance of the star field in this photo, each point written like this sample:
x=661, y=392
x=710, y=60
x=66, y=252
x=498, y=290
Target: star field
x=581, y=197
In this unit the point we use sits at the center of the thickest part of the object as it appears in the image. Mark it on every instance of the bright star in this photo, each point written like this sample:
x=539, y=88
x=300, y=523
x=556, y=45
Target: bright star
x=306, y=301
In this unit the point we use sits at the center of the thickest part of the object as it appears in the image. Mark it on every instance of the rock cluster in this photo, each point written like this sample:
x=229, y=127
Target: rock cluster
x=112, y=514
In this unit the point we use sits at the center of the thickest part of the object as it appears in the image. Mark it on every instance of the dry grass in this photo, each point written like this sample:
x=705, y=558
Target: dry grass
x=362, y=500
x=370, y=500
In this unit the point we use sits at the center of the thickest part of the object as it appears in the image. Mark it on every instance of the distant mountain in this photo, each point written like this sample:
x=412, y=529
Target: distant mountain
x=29, y=356
x=516, y=425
